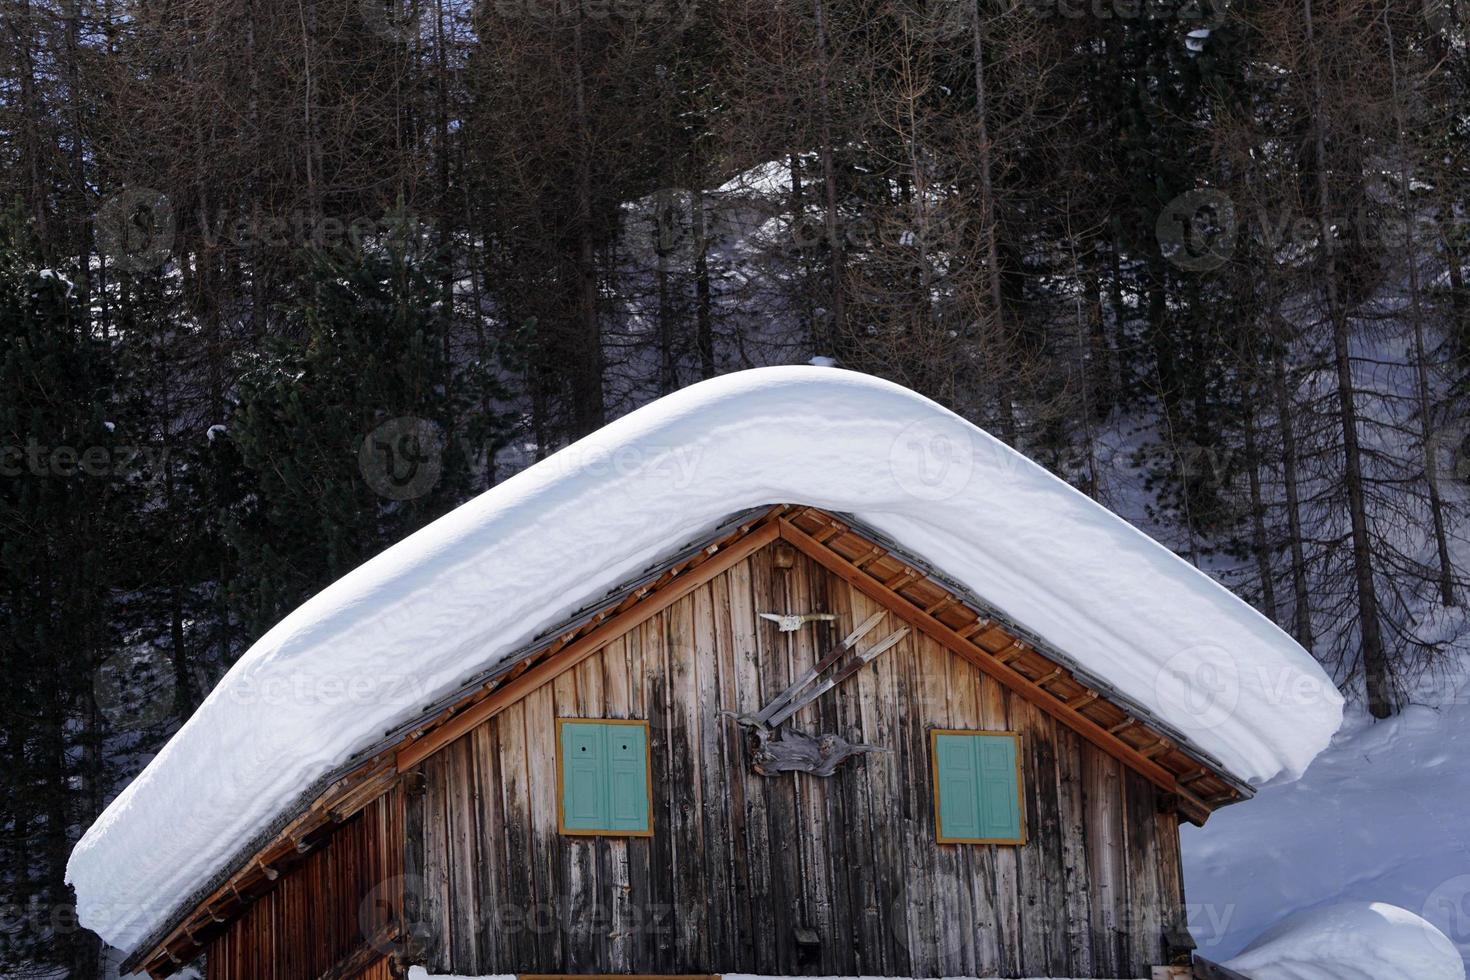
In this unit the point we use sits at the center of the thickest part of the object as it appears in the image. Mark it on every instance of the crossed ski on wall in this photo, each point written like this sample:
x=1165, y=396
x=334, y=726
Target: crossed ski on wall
x=773, y=750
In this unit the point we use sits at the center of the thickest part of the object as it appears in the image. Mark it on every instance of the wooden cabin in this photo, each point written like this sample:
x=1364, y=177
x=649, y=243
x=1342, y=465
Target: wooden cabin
x=598, y=807
x=791, y=746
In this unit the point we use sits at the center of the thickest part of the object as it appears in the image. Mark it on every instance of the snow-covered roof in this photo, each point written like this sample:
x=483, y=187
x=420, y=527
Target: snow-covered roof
x=404, y=628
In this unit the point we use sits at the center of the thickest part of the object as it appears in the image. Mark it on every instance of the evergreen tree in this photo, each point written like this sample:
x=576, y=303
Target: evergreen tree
x=59, y=455
x=356, y=428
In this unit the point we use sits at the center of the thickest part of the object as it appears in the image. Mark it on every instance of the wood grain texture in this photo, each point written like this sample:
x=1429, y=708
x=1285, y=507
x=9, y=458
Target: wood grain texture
x=789, y=874
x=333, y=916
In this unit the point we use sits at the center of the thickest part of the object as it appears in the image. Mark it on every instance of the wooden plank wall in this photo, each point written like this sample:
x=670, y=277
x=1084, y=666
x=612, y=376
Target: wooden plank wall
x=791, y=874
x=326, y=913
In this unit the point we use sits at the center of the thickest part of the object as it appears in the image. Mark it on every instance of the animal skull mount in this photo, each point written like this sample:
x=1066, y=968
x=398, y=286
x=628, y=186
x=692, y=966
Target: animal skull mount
x=789, y=623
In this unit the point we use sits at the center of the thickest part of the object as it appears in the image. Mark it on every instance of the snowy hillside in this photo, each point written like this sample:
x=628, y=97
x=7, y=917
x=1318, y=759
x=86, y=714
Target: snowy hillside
x=1380, y=817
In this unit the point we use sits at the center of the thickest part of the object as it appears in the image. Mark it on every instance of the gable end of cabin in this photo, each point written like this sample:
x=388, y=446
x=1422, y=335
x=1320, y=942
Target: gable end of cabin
x=591, y=806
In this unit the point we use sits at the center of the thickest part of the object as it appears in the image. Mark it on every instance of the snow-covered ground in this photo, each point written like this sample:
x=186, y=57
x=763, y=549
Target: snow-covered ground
x=1351, y=941
x=419, y=973
x=1383, y=815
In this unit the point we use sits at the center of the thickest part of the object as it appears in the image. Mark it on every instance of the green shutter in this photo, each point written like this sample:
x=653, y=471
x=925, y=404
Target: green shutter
x=958, y=787
x=976, y=782
x=627, y=754
x=604, y=772
x=1000, y=798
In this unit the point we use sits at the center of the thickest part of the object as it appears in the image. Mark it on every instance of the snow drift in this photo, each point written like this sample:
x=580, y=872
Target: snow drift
x=407, y=626
x=1351, y=941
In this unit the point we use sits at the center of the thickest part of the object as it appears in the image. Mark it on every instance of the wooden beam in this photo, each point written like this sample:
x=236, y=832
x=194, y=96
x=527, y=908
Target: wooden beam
x=823, y=533
x=414, y=751
x=1027, y=689
x=1011, y=652
x=903, y=579
x=1048, y=677
x=973, y=628
x=940, y=606
x=1082, y=700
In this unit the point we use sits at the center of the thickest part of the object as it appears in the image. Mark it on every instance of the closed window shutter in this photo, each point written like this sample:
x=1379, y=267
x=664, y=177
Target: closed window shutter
x=959, y=786
x=585, y=798
x=999, y=796
x=627, y=777
x=604, y=772
x=976, y=779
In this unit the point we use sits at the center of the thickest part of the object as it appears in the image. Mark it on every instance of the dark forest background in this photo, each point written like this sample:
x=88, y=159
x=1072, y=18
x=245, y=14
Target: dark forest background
x=1207, y=263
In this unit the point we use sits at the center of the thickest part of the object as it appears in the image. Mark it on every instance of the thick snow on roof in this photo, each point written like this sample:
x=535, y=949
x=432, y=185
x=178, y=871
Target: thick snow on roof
x=409, y=625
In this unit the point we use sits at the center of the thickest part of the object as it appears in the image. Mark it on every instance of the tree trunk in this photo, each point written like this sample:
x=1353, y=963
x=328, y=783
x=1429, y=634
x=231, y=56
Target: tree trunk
x=704, y=332
x=989, y=217
x=588, y=412
x=1421, y=368
x=1376, y=668
x=837, y=315
x=1301, y=614
x=1259, y=542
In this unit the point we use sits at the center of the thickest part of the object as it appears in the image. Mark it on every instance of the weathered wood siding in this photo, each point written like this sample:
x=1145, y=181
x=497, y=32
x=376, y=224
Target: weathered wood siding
x=791, y=874
x=332, y=916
